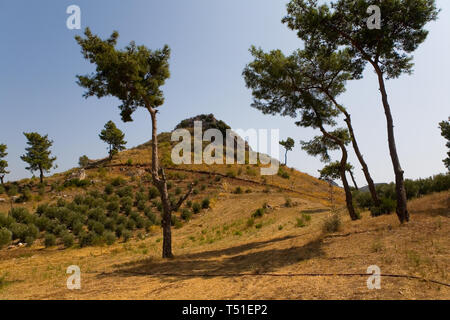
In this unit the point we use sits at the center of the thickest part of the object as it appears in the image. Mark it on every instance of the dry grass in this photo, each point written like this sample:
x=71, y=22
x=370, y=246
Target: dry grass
x=219, y=257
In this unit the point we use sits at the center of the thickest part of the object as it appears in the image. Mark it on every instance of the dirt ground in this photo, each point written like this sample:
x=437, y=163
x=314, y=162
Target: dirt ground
x=219, y=256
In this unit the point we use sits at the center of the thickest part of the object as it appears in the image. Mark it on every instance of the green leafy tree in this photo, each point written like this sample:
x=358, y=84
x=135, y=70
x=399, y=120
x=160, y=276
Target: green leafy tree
x=275, y=91
x=288, y=144
x=134, y=75
x=342, y=24
x=3, y=163
x=114, y=137
x=38, y=154
x=324, y=72
x=445, y=132
x=83, y=161
x=331, y=171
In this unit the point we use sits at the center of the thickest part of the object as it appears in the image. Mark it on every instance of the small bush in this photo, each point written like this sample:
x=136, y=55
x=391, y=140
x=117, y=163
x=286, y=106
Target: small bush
x=153, y=193
x=186, y=214
x=109, y=189
x=49, y=240
x=238, y=190
x=196, y=207
x=5, y=237
x=288, y=202
x=126, y=235
x=387, y=206
x=332, y=223
x=110, y=238
x=250, y=222
x=258, y=213
x=205, y=203
x=300, y=223
x=68, y=240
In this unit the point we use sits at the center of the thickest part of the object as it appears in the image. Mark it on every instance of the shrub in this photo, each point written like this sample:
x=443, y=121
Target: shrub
x=306, y=217
x=238, y=190
x=77, y=227
x=258, y=213
x=119, y=230
x=288, y=202
x=250, y=222
x=19, y=231
x=118, y=181
x=205, y=203
x=196, y=207
x=110, y=238
x=5, y=237
x=21, y=215
x=49, y=240
x=332, y=223
x=98, y=228
x=126, y=235
x=176, y=222
x=300, y=223
x=129, y=162
x=387, y=206
x=109, y=189
x=131, y=224
x=141, y=205
x=153, y=193
x=178, y=191
x=186, y=214
x=67, y=240
x=283, y=173
x=258, y=226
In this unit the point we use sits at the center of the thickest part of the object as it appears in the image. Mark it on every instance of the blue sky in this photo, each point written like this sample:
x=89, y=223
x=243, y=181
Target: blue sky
x=209, y=41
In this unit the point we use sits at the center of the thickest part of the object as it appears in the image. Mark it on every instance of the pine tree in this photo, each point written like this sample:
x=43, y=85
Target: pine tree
x=3, y=163
x=114, y=137
x=288, y=144
x=134, y=75
x=38, y=154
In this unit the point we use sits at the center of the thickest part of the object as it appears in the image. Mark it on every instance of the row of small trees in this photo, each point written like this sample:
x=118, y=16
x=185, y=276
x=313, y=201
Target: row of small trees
x=337, y=47
x=38, y=155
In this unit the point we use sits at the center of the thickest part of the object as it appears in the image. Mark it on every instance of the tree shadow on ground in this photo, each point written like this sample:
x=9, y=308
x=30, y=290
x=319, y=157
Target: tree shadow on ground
x=214, y=264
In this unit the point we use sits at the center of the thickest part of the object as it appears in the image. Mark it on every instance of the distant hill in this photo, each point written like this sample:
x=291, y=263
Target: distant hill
x=366, y=188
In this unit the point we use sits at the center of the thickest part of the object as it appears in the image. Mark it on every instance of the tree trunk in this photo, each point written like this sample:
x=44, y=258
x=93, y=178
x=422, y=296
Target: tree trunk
x=365, y=168
x=41, y=175
x=402, y=210
x=285, y=158
x=353, y=179
x=1, y=179
x=161, y=184
x=342, y=170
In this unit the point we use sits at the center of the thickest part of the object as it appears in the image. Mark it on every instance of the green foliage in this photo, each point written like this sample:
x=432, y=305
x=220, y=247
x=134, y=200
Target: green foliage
x=332, y=223
x=110, y=238
x=5, y=237
x=114, y=137
x=258, y=213
x=134, y=75
x=68, y=240
x=238, y=190
x=445, y=132
x=205, y=203
x=282, y=173
x=126, y=235
x=38, y=154
x=3, y=163
x=153, y=193
x=196, y=207
x=387, y=206
x=49, y=240
x=83, y=161
x=186, y=214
